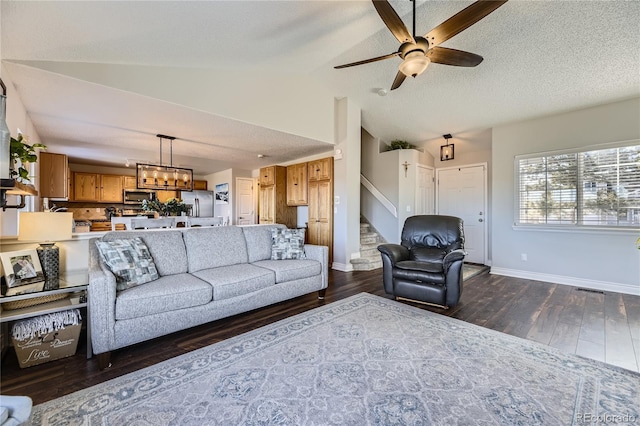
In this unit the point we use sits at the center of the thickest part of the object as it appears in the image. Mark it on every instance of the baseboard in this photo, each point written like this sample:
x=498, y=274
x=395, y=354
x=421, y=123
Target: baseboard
x=572, y=281
x=343, y=267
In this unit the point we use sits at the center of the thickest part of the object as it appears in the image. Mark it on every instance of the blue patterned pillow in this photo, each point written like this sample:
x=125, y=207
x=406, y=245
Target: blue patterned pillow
x=129, y=260
x=287, y=244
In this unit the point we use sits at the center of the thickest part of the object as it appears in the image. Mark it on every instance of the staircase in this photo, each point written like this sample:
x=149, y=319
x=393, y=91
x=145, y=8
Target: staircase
x=369, y=254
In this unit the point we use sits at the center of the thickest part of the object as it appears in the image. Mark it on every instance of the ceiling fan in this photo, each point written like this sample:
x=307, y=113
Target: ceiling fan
x=418, y=52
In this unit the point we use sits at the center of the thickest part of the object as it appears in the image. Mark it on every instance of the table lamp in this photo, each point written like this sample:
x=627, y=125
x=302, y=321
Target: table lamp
x=46, y=228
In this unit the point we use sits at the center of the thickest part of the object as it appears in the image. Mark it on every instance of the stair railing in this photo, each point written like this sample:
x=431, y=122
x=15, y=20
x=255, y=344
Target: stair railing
x=379, y=196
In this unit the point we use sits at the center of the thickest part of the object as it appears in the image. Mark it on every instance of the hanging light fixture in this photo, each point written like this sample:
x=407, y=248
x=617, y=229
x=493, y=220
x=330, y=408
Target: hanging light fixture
x=446, y=151
x=159, y=176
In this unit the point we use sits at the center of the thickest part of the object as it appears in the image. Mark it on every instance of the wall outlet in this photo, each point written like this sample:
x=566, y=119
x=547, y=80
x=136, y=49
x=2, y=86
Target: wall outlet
x=523, y=257
x=97, y=209
x=409, y=208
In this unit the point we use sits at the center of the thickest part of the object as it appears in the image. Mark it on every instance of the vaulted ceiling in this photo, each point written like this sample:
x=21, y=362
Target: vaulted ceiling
x=234, y=79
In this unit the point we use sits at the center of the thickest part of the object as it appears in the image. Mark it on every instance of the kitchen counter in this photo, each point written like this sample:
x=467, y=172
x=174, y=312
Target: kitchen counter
x=126, y=220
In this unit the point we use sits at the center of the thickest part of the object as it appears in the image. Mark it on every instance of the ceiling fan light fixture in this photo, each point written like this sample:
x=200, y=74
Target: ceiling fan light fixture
x=414, y=63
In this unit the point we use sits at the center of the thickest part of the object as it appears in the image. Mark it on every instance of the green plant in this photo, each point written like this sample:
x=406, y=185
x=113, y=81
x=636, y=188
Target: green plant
x=25, y=153
x=171, y=206
x=398, y=144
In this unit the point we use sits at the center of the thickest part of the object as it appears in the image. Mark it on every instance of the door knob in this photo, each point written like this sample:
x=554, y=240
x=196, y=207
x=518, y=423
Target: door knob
x=480, y=220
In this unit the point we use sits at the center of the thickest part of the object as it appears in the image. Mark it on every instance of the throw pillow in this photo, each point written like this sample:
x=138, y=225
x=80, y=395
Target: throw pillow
x=129, y=260
x=287, y=244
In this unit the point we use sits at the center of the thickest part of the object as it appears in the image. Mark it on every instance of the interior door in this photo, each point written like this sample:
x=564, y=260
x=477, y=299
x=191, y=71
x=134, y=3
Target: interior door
x=425, y=190
x=244, y=202
x=462, y=193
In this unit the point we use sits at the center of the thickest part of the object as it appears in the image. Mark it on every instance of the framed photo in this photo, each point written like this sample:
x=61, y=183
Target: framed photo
x=222, y=193
x=21, y=268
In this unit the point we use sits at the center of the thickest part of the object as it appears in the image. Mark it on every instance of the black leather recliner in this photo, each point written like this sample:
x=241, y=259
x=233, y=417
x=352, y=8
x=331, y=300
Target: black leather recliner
x=427, y=265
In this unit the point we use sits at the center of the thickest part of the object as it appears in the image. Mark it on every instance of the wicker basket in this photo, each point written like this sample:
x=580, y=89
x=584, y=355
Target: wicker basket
x=25, y=303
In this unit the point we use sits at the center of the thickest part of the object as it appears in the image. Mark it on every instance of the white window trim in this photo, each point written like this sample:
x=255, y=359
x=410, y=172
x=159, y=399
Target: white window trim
x=585, y=229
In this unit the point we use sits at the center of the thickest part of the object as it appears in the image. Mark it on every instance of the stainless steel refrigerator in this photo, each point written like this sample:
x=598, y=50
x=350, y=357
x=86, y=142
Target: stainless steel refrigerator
x=201, y=202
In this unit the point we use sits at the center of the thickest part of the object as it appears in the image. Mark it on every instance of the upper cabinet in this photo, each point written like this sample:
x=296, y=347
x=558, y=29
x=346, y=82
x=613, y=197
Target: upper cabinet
x=130, y=182
x=267, y=176
x=97, y=188
x=111, y=189
x=297, y=185
x=85, y=186
x=54, y=169
x=200, y=185
x=321, y=169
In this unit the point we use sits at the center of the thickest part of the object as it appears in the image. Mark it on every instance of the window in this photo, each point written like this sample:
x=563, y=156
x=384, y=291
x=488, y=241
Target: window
x=600, y=187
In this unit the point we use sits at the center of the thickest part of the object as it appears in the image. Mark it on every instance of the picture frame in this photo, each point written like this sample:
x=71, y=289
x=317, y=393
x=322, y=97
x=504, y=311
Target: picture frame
x=222, y=193
x=21, y=268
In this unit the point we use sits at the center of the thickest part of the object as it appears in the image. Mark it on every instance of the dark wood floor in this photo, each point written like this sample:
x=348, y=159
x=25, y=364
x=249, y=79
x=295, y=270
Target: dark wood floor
x=605, y=327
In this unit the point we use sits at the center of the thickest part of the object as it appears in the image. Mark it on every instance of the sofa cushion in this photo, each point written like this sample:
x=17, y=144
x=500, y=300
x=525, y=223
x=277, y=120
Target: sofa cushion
x=236, y=280
x=289, y=270
x=166, y=247
x=259, y=241
x=215, y=246
x=129, y=260
x=287, y=244
x=178, y=291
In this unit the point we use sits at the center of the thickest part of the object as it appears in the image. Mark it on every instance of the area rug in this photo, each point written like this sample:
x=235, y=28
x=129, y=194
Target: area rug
x=361, y=360
x=469, y=270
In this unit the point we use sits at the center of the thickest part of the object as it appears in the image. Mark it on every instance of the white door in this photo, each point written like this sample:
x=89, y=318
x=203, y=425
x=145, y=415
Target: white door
x=425, y=199
x=244, y=202
x=462, y=193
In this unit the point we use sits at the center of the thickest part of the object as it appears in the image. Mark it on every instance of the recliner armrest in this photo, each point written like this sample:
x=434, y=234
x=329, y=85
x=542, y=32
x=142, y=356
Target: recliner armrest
x=451, y=257
x=395, y=252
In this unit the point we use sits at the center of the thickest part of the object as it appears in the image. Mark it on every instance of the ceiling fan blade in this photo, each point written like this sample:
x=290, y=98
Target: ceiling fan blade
x=462, y=20
x=366, y=61
x=458, y=58
x=392, y=21
x=398, y=81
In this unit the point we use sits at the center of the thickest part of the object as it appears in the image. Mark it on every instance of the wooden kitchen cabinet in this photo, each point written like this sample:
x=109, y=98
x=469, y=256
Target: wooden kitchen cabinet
x=297, y=185
x=200, y=185
x=321, y=169
x=272, y=199
x=111, y=189
x=99, y=188
x=268, y=175
x=320, y=226
x=129, y=182
x=54, y=170
x=85, y=186
x=163, y=196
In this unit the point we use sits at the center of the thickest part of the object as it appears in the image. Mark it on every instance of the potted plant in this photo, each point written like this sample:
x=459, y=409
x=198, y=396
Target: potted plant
x=21, y=154
x=398, y=144
x=175, y=207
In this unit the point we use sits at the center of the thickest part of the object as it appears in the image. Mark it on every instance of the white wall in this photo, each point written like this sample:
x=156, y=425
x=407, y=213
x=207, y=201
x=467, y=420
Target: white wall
x=604, y=260
x=380, y=169
x=17, y=118
x=346, y=184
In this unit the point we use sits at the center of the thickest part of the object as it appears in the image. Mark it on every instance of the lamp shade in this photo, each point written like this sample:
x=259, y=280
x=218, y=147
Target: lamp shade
x=44, y=226
x=414, y=63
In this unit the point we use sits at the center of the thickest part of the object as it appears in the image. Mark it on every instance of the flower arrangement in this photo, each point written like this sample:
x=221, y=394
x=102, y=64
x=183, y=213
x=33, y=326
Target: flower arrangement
x=172, y=206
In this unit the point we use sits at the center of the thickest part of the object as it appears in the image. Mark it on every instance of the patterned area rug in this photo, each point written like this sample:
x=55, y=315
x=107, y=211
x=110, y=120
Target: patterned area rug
x=361, y=360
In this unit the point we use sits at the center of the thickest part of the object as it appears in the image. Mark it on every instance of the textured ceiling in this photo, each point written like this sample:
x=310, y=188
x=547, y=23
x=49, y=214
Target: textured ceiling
x=540, y=58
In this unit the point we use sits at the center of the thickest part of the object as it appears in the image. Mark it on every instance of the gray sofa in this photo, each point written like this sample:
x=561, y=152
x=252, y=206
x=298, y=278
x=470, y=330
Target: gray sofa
x=204, y=274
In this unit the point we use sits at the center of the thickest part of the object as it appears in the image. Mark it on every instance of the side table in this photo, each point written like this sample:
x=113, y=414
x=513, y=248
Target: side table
x=68, y=283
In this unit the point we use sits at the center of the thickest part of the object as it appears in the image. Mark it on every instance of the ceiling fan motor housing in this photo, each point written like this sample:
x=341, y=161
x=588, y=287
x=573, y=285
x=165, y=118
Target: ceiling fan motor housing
x=421, y=44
